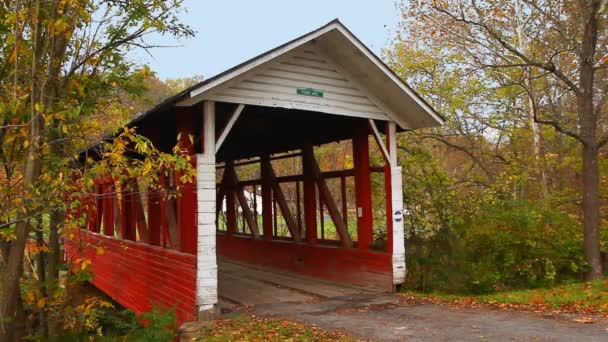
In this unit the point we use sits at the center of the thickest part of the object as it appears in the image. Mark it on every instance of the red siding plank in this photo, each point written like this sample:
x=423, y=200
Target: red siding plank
x=137, y=275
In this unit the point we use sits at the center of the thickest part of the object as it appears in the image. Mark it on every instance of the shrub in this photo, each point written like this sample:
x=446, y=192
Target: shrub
x=504, y=245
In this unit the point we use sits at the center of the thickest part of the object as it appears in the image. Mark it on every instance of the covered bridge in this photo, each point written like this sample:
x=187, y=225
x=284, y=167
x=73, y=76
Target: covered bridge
x=320, y=88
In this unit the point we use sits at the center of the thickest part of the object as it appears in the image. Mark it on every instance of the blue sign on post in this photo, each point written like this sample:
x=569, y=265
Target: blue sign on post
x=397, y=215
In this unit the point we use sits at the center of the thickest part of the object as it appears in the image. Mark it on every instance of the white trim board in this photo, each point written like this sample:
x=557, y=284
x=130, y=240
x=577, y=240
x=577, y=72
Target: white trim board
x=343, y=51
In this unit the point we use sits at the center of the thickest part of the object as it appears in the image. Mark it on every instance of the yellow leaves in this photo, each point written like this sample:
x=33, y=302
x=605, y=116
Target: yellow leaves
x=76, y=85
x=7, y=236
x=100, y=250
x=147, y=168
x=105, y=304
x=41, y=303
x=39, y=107
x=145, y=71
x=90, y=309
x=93, y=303
x=586, y=320
x=35, y=249
x=85, y=264
x=13, y=56
x=30, y=296
x=269, y=329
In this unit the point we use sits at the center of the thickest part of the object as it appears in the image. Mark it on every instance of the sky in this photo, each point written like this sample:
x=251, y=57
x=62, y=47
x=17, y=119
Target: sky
x=232, y=31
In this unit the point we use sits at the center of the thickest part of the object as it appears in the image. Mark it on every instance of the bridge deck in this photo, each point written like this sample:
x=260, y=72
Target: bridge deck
x=245, y=284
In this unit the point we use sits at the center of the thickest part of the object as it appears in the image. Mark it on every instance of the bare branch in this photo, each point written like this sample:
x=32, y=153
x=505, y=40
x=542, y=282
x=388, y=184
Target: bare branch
x=549, y=66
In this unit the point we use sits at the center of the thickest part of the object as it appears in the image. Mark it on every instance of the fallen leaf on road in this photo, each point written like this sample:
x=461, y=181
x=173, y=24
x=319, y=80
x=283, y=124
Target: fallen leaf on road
x=585, y=320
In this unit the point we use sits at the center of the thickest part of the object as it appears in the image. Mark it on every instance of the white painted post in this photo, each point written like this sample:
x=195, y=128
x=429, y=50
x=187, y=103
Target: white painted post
x=392, y=142
x=206, y=261
x=397, y=205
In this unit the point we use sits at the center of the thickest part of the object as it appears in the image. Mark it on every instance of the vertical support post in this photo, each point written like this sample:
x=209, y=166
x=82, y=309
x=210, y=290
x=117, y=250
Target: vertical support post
x=398, y=234
x=267, y=203
x=363, y=190
x=166, y=239
x=99, y=205
x=154, y=216
x=298, y=209
x=229, y=186
x=322, y=219
x=390, y=138
x=128, y=212
x=118, y=222
x=344, y=201
x=255, y=203
x=186, y=203
x=310, y=194
x=274, y=217
x=94, y=208
x=108, y=208
x=206, y=260
x=154, y=194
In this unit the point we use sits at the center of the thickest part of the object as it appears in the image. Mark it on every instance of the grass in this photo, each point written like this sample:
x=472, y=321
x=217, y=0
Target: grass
x=263, y=329
x=586, y=298
x=592, y=294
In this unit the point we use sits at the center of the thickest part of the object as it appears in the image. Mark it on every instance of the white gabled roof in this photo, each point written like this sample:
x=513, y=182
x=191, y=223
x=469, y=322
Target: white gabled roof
x=351, y=80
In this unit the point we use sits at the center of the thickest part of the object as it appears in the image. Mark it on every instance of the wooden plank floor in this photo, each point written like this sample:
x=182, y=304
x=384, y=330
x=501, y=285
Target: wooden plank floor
x=247, y=284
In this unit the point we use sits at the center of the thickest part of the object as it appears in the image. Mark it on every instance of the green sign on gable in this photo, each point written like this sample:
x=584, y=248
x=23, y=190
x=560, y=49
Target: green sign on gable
x=310, y=92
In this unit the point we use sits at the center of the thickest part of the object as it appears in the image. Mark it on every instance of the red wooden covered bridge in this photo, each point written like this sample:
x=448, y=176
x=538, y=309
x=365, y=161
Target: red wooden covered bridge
x=321, y=88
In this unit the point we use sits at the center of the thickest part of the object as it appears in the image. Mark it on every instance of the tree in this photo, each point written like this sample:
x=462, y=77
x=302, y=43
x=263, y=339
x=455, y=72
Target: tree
x=62, y=64
x=562, y=67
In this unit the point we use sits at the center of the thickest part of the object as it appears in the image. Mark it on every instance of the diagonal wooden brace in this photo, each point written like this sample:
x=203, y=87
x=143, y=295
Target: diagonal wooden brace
x=142, y=226
x=332, y=207
x=281, y=201
x=233, y=178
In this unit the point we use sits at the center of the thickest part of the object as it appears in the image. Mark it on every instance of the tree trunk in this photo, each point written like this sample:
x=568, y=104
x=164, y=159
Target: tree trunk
x=56, y=220
x=19, y=328
x=591, y=211
x=588, y=124
x=12, y=275
x=41, y=269
x=523, y=45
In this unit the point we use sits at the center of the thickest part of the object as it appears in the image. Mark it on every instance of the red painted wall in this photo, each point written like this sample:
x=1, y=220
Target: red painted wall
x=138, y=275
x=349, y=266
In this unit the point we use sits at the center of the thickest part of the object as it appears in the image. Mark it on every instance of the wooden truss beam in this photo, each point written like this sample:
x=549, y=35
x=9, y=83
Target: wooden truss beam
x=235, y=115
x=281, y=201
x=140, y=216
x=258, y=160
x=247, y=213
x=267, y=203
x=154, y=216
x=381, y=145
x=332, y=207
